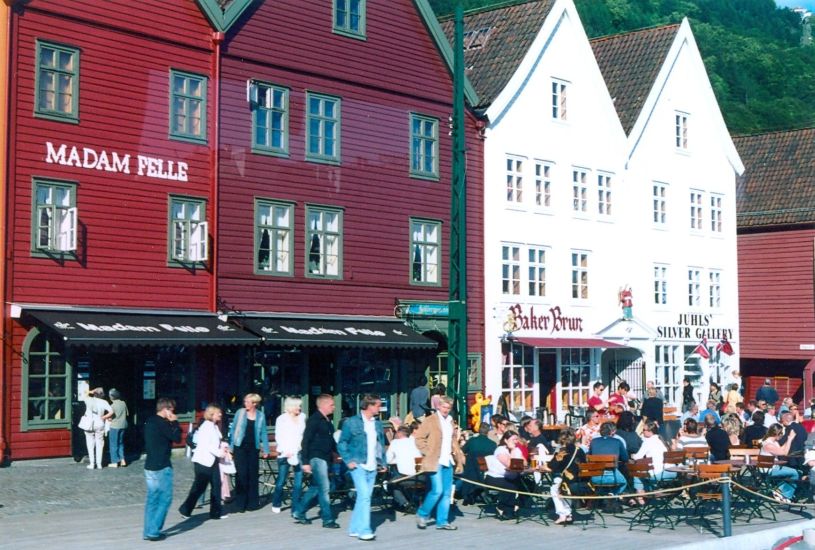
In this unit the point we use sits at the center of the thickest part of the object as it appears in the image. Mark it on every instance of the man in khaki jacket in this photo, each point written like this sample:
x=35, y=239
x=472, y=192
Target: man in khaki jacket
x=437, y=441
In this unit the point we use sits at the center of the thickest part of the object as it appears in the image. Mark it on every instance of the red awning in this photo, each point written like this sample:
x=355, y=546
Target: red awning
x=568, y=343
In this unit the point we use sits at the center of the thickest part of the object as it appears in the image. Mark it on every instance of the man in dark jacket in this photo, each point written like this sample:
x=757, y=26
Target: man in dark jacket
x=317, y=454
x=607, y=444
x=717, y=439
x=796, y=454
x=767, y=393
x=161, y=430
x=477, y=446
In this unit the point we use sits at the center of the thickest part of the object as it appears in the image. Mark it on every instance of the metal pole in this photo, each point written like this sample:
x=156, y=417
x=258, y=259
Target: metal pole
x=727, y=526
x=457, y=360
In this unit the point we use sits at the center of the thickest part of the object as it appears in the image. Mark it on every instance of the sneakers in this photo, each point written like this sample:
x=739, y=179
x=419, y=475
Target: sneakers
x=421, y=522
x=354, y=535
x=779, y=496
x=223, y=516
x=113, y=465
x=160, y=536
x=447, y=527
x=275, y=509
x=90, y=466
x=331, y=525
x=182, y=514
x=368, y=537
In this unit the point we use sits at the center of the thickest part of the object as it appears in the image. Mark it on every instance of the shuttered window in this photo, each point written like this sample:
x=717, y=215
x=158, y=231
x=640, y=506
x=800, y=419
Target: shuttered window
x=55, y=218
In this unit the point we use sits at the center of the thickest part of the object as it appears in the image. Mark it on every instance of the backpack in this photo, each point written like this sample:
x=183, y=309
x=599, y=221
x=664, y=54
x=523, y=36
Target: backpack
x=191, y=443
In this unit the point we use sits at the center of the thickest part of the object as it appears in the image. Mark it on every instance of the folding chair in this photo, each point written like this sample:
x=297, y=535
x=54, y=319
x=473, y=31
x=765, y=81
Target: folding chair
x=655, y=509
x=709, y=493
x=696, y=455
x=596, y=467
x=489, y=501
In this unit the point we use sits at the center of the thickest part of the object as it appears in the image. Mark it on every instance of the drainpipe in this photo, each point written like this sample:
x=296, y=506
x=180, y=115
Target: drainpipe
x=215, y=162
x=5, y=355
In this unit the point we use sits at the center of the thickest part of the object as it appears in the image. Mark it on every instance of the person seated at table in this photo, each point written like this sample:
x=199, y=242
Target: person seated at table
x=500, y=424
x=476, y=447
x=754, y=430
x=537, y=438
x=654, y=448
x=627, y=432
x=796, y=453
x=652, y=406
x=618, y=401
x=564, y=468
x=596, y=401
x=692, y=412
x=401, y=457
x=589, y=430
x=770, y=446
x=500, y=476
x=732, y=427
x=717, y=439
x=770, y=416
x=689, y=436
x=796, y=413
x=711, y=409
x=607, y=444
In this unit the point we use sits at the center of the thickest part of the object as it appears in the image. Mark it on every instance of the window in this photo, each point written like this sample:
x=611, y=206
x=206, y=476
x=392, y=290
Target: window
x=189, y=238
x=57, y=82
x=696, y=210
x=322, y=128
x=668, y=373
x=510, y=269
x=580, y=275
x=694, y=287
x=349, y=18
x=604, y=194
x=477, y=39
x=425, y=256
x=559, y=89
x=715, y=289
x=324, y=242
x=54, y=225
x=543, y=184
x=660, y=284
x=273, y=237
x=580, y=191
x=575, y=377
x=515, y=179
x=270, y=118
x=537, y=271
x=188, y=106
x=424, y=146
x=681, y=126
x=518, y=378
x=47, y=379
x=660, y=195
x=716, y=213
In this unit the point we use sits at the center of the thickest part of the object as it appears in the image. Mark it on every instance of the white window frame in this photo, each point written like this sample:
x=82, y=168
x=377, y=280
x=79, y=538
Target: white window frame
x=58, y=233
x=536, y=270
x=669, y=372
x=681, y=130
x=510, y=269
x=560, y=93
x=661, y=284
x=715, y=289
x=580, y=190
x=577, y=372
x=716, y=214
x=521, y=391
x=329, y=264
x=697, y=217
x=543, y=184
x=515, y=179
x=694, y=287
x=189, y=235
x=580, y=274
x=425, y=241
x=280, y=236
x=660, y=203
x=604, y=180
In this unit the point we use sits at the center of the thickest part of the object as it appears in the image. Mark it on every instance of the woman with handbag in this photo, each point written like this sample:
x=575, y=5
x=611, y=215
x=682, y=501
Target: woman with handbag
x=205, y=458
x=93, y=424
x=564, y=466
x=248, y=438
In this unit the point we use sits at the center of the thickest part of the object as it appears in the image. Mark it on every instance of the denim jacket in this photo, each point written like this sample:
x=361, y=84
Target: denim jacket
x=239, y=429
x=353, y=445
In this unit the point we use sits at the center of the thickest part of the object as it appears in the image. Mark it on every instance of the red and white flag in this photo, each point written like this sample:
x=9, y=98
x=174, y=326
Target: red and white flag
x=702, y=350
x=725, y=347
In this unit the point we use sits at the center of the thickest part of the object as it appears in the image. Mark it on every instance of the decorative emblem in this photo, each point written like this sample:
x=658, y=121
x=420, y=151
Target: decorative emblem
x=64, y=326
x=268, y=330
x=225, y=328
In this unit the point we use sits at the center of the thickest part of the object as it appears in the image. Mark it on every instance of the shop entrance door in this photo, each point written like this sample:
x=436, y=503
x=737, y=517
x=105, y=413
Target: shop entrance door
x=547, y=374
x=119, y=370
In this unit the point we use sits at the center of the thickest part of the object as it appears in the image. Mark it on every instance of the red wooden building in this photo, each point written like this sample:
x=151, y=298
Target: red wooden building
x=208, y=197
x=776, y=248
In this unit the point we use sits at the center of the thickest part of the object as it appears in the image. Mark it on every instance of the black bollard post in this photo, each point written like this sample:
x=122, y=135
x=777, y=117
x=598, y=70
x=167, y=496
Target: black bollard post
x=727, y=527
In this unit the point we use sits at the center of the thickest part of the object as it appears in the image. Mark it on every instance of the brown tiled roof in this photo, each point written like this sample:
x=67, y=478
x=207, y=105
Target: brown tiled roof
x=778, y=185
x=630, y=63
x=507, y=32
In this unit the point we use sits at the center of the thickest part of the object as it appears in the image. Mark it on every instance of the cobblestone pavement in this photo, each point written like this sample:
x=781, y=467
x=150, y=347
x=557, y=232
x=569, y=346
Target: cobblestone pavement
x=59, y=503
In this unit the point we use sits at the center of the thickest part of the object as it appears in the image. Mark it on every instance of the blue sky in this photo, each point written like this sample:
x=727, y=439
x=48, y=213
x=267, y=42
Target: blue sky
x=809, y=4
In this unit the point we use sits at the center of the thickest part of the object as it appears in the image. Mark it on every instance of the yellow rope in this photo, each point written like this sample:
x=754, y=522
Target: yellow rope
x=769, y=498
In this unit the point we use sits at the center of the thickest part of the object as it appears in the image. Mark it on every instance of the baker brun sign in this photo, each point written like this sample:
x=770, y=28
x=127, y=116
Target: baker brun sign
x=552, y=320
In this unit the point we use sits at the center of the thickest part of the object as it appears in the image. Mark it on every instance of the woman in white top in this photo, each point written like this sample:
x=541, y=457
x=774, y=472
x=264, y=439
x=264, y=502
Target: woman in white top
x=98, y=410
x=205, y=457
x=654, y=448
x=770, y=447
x=288, y=434
x=499, y=475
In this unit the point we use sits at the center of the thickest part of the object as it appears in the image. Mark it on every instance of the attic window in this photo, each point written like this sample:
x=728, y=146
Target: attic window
x=477, y=39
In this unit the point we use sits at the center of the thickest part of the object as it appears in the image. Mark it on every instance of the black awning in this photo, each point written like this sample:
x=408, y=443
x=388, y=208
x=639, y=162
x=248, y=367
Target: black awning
x=336, y=333
x=90, y=327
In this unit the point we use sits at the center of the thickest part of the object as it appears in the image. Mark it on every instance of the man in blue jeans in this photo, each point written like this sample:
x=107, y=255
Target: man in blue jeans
x=317, y=453
x=362, y=448
x=608, y=444
x=160, y=432
x=437, y=440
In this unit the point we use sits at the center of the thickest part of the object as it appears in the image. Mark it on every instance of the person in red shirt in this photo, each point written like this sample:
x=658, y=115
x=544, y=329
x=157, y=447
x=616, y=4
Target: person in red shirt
x=596, y=401
x=618, y=401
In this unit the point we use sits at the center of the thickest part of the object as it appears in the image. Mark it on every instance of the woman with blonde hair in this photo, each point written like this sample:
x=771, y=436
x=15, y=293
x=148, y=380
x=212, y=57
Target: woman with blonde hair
x=249, y=438
x=205, y=461
x=97, y=410
x=733, y=427
x=289, y=428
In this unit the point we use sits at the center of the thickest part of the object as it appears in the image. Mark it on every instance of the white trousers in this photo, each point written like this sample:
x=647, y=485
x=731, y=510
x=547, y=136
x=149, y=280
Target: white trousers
x=95, y=442
x=562, y=507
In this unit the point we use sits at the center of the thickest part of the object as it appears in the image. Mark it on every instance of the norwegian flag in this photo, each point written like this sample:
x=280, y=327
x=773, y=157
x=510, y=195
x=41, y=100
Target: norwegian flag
x=724, y=346
x=702, y=350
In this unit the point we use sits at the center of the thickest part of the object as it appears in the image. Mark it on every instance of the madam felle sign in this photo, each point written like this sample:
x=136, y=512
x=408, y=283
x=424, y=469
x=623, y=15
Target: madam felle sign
x=89, y=158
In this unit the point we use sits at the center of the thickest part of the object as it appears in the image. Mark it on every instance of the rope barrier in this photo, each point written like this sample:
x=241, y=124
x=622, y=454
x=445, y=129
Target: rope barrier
x=769, y=498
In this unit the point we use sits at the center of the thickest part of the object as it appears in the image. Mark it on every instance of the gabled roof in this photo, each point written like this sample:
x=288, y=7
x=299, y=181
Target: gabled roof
x=222, y=14
x=778, y=185
x=630, y=63
x=496, y=39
